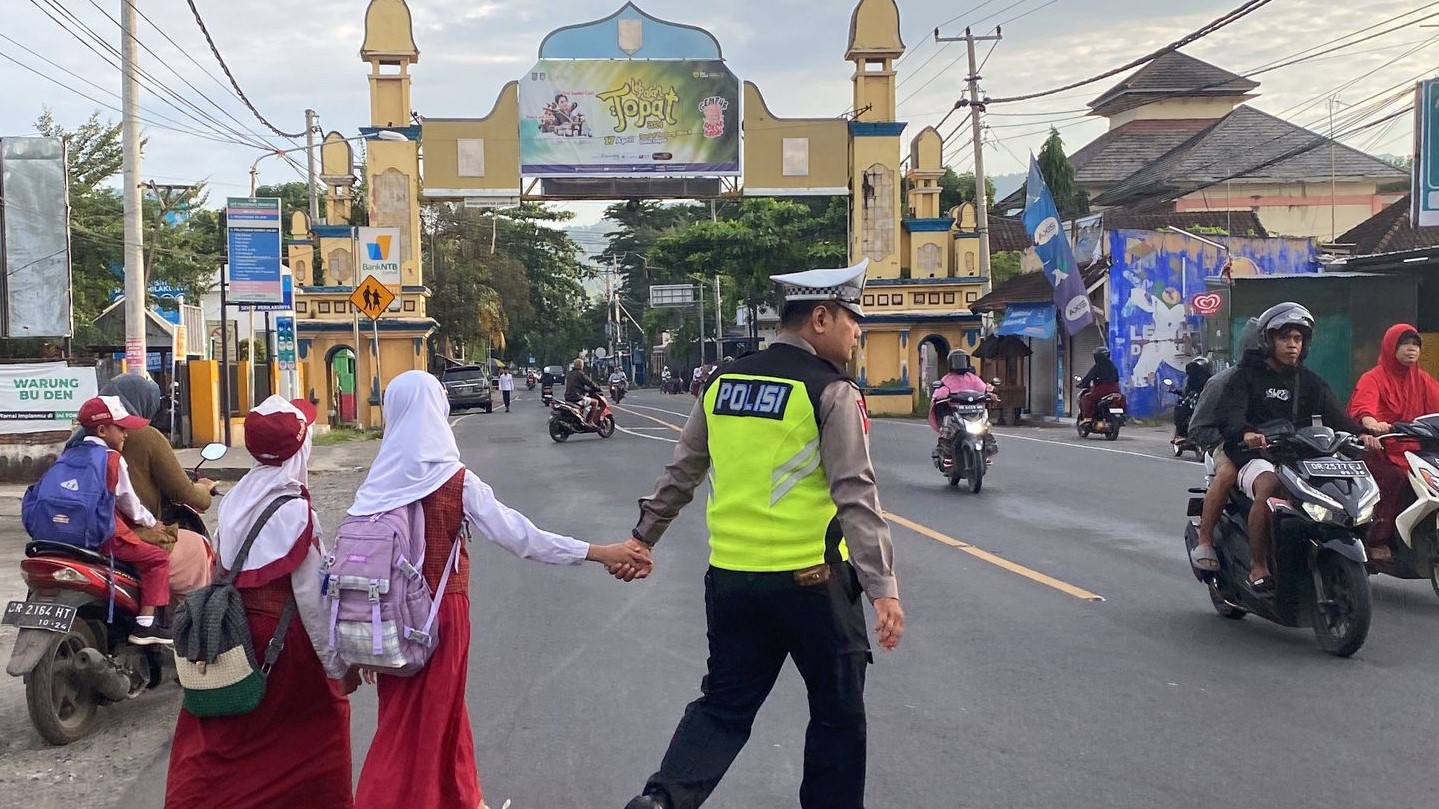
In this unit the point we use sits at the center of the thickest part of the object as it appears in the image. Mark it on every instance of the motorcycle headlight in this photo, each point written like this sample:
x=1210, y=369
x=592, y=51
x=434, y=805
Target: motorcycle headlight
x=976, y=427
x=1366, y=513
x=1317, y=512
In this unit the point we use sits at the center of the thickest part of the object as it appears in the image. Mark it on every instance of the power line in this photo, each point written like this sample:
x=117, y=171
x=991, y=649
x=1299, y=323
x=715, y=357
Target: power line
x=161, y=60
x=226, y=68
x=1027, y=13
x=162, y=91
x=1249, y=7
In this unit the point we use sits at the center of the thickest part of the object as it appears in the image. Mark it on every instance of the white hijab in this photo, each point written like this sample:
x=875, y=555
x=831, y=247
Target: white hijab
x=257, y=489
x=418, y=454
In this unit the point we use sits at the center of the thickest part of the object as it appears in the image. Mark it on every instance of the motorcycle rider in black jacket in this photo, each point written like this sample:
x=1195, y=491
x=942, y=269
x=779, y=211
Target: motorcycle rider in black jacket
x=1270, y=385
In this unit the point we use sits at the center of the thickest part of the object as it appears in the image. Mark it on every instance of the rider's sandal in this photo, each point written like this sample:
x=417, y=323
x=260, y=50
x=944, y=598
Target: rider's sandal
x=1263, y=584
x=1204, y=559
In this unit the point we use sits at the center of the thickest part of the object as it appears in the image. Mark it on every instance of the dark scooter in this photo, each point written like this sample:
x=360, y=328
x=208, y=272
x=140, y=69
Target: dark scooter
x=1318, y=554
x=1109, y=416
x=1183, y=412
x=73, y=649
x=968, y=444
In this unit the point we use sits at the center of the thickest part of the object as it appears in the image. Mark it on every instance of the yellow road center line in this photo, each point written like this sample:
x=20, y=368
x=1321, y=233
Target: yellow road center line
x=661, y=422
x=978, y=553
x=997, y=561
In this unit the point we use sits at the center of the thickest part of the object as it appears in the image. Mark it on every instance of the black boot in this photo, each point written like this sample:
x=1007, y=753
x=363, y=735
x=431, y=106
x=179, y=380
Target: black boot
x=646, y=802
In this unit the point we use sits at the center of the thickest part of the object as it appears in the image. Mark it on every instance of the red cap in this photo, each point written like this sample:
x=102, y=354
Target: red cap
x=109, y=410
x=276, y=429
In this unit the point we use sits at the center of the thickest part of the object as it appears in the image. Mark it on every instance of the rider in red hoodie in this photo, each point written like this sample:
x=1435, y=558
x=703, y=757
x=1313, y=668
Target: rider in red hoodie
x=1396, y=390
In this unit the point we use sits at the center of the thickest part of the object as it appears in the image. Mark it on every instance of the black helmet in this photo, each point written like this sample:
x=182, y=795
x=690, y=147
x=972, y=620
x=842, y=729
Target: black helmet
x=1101, y=351
x=1279, y=317
x=959, y=362
x=1201, y=361
x=1249, y=336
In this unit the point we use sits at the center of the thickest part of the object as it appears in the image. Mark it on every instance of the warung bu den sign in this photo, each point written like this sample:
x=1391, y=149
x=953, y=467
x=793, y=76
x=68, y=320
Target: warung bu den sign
x=603, y=118
x=43, y=397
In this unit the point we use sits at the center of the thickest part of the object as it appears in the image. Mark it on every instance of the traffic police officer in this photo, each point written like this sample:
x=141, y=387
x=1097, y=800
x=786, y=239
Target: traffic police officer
x=796, y=534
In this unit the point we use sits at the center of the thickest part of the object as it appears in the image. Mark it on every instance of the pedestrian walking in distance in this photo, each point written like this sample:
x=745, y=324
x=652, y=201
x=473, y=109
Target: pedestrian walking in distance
x=796, y=536
x=507, y=387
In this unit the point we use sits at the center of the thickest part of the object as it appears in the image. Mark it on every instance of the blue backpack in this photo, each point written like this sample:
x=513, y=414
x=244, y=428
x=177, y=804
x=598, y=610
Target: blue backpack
x=72, y=502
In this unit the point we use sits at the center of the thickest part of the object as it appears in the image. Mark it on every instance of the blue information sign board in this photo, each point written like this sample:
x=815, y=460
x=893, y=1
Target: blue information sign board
x=253, y=230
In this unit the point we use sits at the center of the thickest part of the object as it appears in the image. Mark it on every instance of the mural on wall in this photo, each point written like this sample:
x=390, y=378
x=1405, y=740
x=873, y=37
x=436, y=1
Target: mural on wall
x=1158, y=293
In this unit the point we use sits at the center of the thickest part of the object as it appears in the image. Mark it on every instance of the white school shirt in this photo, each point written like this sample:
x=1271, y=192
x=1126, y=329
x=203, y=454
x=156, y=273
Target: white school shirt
x=126, y=501
x=507, y=382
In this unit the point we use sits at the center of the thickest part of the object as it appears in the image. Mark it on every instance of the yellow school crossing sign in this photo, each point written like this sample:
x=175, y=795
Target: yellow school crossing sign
x=372, y=298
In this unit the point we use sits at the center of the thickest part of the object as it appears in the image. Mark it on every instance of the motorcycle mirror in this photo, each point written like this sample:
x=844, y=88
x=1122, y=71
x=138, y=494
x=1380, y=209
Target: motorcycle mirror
x=996, y=382
x=214, y=452
x=1077, y=379
x=936, y=385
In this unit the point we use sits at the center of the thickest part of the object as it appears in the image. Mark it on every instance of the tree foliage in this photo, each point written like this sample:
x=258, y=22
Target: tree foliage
x=182, y=250
x=507, y=280
x=957, y=189
x=742, y=243
x=1058, y=174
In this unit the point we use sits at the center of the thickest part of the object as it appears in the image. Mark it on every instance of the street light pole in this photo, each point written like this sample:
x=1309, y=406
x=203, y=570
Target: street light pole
x=312, y=181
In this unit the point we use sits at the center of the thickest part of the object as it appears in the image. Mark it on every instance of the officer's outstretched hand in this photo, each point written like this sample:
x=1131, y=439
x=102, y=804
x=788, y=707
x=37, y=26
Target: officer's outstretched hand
x=627, y=560
x=890, y=626
x=638, y=563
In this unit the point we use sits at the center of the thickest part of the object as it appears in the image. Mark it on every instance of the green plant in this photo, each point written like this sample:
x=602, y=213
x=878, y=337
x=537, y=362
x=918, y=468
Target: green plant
x=341, y=435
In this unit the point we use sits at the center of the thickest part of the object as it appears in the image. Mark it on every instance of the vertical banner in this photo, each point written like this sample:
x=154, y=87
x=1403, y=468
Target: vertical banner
x=285, y=342
x=1051, y=243
x=1424, y=201
x=35, y=238
x=253, y=236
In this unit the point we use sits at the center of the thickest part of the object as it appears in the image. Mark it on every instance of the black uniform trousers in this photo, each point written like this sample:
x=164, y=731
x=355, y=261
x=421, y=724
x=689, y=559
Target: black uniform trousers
x=756, y=620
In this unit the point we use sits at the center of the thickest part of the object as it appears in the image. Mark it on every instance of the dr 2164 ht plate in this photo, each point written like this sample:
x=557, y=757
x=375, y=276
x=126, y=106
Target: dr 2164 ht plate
x=39, y=615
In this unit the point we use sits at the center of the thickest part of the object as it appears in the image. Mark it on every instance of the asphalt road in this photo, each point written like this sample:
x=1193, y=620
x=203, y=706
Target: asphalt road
x=1058, y=652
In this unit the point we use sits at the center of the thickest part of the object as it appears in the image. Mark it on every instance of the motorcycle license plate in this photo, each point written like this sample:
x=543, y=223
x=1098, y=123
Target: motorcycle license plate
x=1336, y=469
x=1114, y=411
x=38, y=615
x=971, y=408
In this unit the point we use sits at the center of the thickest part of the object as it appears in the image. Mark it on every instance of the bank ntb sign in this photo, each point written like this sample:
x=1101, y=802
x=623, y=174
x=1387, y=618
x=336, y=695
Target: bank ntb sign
x=380, y=255
x=1424, y=211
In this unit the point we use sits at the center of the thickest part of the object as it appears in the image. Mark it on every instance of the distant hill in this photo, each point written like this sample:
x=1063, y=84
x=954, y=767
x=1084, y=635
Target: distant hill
x=1006, y=184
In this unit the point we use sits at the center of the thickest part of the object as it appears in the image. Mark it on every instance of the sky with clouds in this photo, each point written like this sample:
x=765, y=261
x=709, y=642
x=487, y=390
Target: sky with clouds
x=288, y=56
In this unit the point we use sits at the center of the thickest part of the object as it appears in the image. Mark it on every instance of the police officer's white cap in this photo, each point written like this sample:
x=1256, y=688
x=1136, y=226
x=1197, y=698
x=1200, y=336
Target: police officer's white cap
x=844, y=285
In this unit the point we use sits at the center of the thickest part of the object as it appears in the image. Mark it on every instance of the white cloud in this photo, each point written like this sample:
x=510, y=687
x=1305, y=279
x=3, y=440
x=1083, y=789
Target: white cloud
x=793, y=49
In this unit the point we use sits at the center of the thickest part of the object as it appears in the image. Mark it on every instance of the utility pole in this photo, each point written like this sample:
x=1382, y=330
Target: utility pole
x=134, y=253
x=310, y=125
x=1333, y=174
x=976, y=106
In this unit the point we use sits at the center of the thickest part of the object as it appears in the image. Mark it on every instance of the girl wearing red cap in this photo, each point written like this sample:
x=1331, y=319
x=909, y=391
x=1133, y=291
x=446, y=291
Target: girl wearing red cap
x=294, y=749
x=1396, y=390
x=423, y=754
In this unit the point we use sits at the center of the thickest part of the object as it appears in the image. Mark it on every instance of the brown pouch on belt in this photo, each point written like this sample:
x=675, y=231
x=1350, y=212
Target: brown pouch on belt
x=812, y=576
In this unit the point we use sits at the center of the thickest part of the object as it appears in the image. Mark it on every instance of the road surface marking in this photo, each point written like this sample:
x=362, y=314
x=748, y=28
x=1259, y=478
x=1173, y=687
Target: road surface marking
x=660, y=422
x=1003, y=433
x=458, y=419
x=922, y=530
x=659, y=410
x=998, y=561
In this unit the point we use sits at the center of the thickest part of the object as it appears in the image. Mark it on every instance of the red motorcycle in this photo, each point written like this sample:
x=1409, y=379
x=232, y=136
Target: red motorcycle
x=73, y=647
x=568, y=418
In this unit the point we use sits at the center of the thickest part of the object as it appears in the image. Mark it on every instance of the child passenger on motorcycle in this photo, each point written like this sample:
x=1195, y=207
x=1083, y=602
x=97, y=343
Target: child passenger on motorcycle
x=1396, y=390
x=961, y=377
x=106, y=422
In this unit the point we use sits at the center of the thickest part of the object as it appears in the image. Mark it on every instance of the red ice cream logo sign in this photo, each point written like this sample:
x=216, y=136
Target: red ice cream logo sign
x=1206, y=304
x=713, y=109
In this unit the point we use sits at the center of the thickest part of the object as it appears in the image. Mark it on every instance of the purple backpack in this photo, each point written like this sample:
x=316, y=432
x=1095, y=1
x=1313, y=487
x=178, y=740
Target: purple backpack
x=382, y=612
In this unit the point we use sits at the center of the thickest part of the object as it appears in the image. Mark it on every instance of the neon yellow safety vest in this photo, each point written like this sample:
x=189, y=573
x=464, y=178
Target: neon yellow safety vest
x=770, y=508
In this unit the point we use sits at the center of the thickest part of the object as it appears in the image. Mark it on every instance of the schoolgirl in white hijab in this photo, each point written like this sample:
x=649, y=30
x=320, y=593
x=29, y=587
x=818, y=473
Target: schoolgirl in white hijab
x=277, y=434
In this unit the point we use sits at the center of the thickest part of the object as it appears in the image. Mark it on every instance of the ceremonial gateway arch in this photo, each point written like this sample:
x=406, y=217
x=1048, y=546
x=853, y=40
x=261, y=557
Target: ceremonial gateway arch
x=631, y=106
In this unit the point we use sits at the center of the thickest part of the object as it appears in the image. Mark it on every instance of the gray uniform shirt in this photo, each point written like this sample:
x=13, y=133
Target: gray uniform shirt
x=844, y=455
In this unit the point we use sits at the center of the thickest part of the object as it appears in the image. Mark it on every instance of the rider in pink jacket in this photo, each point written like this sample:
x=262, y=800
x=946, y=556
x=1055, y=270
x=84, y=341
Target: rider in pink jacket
x=961, y=377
